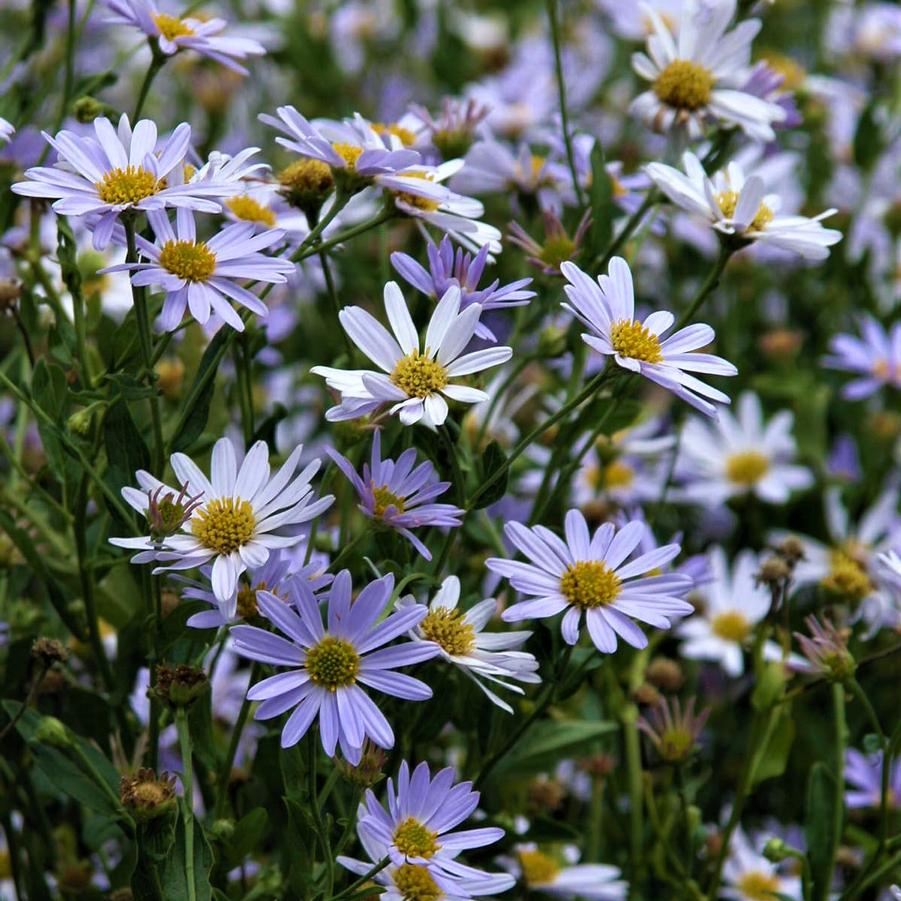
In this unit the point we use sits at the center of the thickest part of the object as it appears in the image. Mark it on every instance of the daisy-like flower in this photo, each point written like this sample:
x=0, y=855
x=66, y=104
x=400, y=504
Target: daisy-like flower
x=825, y=650
x=729, y=606
x=415, y=382
x=674, y=731
x=7, y=130
x=558, y=247
x=699, y=76
x=607, y=308
x=173, y=33
x=352, y=148
x=863, y=773
x=481, y=655
x=328, y=664
x=740, y=455
x=737, y=206
x=117, y=170
x=588, y=574
x=449, y=267
x=276, y=576
x=419, y=825
x=240, y=518
x=548, y=874
x=418, y=192
x=397, y=495
x=203, y=277
x=874, y=357
x=749, y=876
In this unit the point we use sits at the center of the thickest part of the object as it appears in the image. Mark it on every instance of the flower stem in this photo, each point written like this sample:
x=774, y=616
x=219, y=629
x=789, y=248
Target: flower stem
x=709, y=286
x=184, y=742
x=229, y=759
x=156, y=63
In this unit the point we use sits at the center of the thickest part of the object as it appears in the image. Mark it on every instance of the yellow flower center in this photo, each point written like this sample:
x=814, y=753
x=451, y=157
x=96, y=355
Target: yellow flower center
x=758, y=885
x=418, y=375
x=538, y=868
x=445, y=627
x=557, y=250
x=413, y=839
x=590, y=583
x=416, y=883
x=632, y=339
x=746, y=467
x=333, y=663
x=675, y=743
x=224, y=525
x=6, y=870
x=407, y=137
x=250, y=210
x=684, y=85
x=190, y=260
x=793, y=74
x=350, y=153
x=421, y=203
x=385, y=499
x=129, y=185
x=307, y=179
x=728, y=201
x=731, y=626
x=171, y=27
x=247, y=599
x=617, y=474
x=847, y=576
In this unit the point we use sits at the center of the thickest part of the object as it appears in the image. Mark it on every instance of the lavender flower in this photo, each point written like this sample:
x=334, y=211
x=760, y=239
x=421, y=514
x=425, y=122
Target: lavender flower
x=449, y=267
x=673, y=730
x=875, y=358
x=329, y=664
x=864, y=774
x=398, y=496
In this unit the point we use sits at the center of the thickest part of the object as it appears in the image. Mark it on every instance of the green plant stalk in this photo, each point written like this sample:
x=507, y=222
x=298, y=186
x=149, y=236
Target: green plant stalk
x=708, y=287
x=158, y=60
x=838, y=764
x=229, y=759
x=244, y=368
x=187, y=805
x=600, y=263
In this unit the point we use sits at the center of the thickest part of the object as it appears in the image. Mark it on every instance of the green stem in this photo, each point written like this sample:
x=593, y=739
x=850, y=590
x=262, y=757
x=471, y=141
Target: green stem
x=561, y=90
x=359, y=883
x=838, y=765
x=632, y=223
x=229, y=760
x=305, y=250
x=587, y=392
x=156, y=63
x=184, y=742
x=244, y=367
x=708, y=287
x=333, y=297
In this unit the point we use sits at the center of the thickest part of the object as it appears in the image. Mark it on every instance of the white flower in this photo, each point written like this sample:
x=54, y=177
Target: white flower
x=734, y=204
x=464, y=643
x=547, y=875
x=416, y=382
x=701, y=77
x=749, y=876
x=732, y=603
x=739, y=455
x=236, y=519
x=607, y=307
x=6, y=131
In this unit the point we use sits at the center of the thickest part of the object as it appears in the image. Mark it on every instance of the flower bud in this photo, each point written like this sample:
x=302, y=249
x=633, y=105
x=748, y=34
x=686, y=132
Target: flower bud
x=147, y=797
x=775, y=850
x=306, y=184
x=87, y=109
x=52, y=732
x=49, y=651
x=179, y=686
x=665, y=674
x=368, y=772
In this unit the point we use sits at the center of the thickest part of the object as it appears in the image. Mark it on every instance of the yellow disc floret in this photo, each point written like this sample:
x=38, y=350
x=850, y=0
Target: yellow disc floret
x=224, y=524
x=685, y=85
x=418, y=375
x=732, y=625
x=747, y=467
x=190, y=260
x=427, y=204
x=385, y=499
x=245, y=207
x=350, y=153
x=758, y=885
x=590, y=583
x=633, y=340
x=538, y=868
x=413, y=839
x=728, y=201
x=847, y=576
x=333, y=663
x=446, y=628
x=416, y=883
x=129, y=185
x=171, y=27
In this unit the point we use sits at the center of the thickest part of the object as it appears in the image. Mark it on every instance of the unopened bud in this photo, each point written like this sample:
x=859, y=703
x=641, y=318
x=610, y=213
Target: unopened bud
x=146, y=796
x=51, y=731
x=775, y=850
x=179, y=686
x=49, y=651
x=791, y=549
x=665, y=674
x=87, y=109
x=368, y=772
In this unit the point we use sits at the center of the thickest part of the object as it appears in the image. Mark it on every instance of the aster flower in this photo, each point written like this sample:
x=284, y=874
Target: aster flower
x=874, y=357
x=7, y=130
x=737, y=206
x=749, y=876
x=740, y=455
x=863, y=773
x=173, y=33
x=329, y=664
x=419, y=825
x=418, y=192
x=416, y=382
x=728, y=607
x=698, y=77
x=397, y=495
x=453, y=131
x=588, y=574
x=825, y=650
x=607, y=308
x=276, y=576
x=545, y=874
x=558, y=246
x=449, y=268
x=483, y=656
x=351, y=147
x=241, y=518
x=674, y=731
x=203, y=277
x=118, y=170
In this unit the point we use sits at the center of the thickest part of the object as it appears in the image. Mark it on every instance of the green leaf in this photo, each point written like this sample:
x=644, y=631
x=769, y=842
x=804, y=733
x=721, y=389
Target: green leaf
x=775, y=756
x=248, y=835
x=492, y=460
x=822, y=827
x=601, y=197
x=49, y=388
x=175, y=873
x=126, y=451
x=545, y=743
